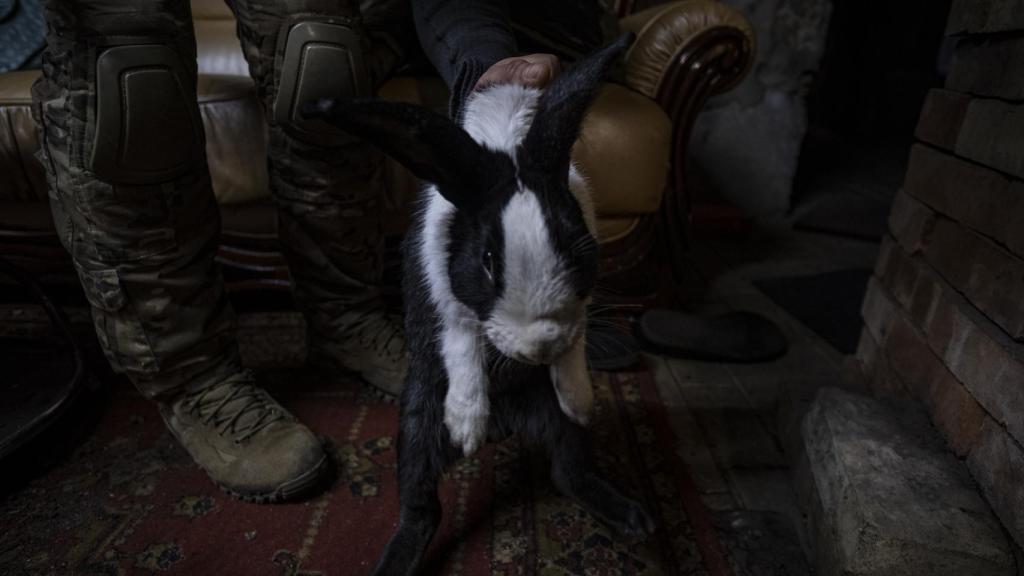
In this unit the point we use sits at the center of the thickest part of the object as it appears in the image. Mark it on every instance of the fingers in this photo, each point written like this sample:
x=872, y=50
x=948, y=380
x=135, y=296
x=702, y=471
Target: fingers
x=533, y=70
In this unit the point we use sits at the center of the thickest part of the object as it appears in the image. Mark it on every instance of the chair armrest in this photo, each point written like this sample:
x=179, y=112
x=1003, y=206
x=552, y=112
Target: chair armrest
x=688, y=42
x=685, y=52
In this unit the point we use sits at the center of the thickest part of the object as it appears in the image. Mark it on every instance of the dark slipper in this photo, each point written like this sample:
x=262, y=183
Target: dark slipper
x=611, y=348
x=729, y=337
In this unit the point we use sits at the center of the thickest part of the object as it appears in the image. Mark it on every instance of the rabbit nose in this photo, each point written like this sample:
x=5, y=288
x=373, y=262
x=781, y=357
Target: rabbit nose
x=546, y=341
x=545, y=330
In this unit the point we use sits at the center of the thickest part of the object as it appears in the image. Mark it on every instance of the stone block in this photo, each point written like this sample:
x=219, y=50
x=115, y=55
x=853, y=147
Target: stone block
x=891, y=498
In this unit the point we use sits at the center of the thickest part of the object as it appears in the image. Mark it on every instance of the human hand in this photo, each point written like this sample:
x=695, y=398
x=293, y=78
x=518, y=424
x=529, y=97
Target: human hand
x=533, y=70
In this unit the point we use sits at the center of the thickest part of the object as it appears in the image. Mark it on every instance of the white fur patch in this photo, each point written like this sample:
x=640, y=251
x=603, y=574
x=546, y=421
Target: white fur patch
x=533, y=272
x=466, y=405
x=500, y=116
x=530, y=321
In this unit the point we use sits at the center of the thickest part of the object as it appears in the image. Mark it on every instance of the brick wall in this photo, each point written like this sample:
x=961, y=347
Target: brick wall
x=944, y=313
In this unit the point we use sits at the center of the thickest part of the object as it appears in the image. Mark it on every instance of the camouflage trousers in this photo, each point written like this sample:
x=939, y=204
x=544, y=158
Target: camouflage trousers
x=144, y=248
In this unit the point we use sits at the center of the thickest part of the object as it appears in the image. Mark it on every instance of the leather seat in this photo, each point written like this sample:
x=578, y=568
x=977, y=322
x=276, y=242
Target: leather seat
x=629, y=146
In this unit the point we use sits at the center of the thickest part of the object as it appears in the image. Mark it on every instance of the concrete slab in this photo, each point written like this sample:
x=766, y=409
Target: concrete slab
x=889, y=498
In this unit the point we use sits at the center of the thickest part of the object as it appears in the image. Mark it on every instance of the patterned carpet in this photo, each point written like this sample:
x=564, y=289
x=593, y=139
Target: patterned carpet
x=129, y=500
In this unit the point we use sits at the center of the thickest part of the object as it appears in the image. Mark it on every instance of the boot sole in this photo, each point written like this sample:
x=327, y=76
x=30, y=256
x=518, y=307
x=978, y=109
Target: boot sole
x=295, y=488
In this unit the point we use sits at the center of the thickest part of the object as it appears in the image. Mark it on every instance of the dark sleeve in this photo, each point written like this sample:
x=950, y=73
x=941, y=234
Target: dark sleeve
x=463, y=38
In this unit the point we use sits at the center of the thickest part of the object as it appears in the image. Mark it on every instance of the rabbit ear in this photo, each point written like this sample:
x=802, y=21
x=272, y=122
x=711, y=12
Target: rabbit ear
x=561, y=108
x=431, y=146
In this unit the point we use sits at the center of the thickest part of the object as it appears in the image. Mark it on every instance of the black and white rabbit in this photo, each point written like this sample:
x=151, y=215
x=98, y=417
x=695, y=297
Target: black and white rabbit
x=500, y=263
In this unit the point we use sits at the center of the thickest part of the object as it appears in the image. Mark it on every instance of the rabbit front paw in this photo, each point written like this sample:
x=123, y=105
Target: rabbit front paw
x=466, y=422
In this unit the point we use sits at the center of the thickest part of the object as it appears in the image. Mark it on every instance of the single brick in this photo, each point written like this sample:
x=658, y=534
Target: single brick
x=878, y=311
x=997, y=463
x=983, y=199
x=884, y=255
x=944, y=322
x=967, y=16
x=989, y=67
x=910, y=222
x=1014, y=236
x=923, y=302
x=990, y=277
x=867, y=352
x=985, y=16
x=876, y=369
x=993, y=134
x=941, y=117
x=956, y=414
x=912, y=360
x=924, y=298
x=902, y=279
x=904, y=283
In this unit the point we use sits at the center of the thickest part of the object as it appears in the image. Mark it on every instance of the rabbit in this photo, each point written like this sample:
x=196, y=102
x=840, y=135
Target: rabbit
x=499, y=266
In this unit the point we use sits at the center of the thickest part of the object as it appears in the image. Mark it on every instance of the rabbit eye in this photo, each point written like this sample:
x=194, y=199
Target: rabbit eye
x=488, y=262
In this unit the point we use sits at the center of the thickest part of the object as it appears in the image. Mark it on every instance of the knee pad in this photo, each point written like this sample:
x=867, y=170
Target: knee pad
x=321, y=60
x=147, y=125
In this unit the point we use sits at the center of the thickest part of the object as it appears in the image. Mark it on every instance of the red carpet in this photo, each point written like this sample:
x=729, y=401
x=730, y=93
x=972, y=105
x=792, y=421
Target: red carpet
x=131, y=502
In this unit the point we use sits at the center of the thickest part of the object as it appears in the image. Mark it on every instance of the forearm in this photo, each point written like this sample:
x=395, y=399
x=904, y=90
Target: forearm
x=463, y=39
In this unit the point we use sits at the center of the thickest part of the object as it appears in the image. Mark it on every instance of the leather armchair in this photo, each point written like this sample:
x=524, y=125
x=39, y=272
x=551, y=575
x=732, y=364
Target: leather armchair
x=632, y=148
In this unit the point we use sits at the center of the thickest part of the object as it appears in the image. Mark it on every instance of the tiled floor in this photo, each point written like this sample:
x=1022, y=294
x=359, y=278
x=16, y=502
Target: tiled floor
x=725, y=414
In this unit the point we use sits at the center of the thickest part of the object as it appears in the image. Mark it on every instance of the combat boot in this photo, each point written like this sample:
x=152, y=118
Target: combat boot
x=367, y=341
x=249, y=445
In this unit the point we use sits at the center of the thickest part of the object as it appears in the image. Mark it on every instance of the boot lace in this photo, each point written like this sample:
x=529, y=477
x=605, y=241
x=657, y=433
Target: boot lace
x=239, y=410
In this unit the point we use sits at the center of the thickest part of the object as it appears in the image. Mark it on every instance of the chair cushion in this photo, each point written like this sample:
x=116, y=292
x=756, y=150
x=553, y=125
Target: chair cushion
x=624, y=152
x=236, y=138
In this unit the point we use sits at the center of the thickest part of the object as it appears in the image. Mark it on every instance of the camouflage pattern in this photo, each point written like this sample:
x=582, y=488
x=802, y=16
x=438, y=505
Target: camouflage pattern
x=145, y=253
x=329, y=199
